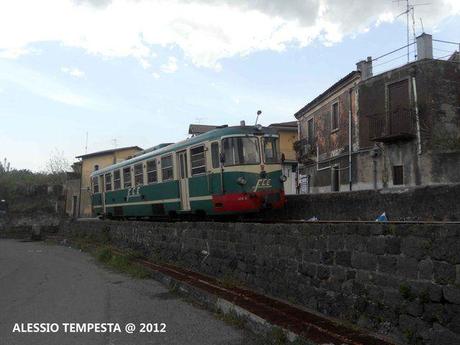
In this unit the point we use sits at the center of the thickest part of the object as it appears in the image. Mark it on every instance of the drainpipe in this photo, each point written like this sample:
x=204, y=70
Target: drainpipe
x=417, y=119
x=79, y=192
x=350, y=180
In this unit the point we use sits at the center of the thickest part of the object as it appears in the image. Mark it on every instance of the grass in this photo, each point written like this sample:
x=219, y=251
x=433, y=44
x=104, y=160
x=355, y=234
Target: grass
x=124, y=263
x=231, y=318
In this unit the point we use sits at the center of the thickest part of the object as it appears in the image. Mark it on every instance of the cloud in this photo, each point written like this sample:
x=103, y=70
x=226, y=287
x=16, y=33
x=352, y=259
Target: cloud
x=207, y=31
x=156, y=75
x=73, y=71
x=44, y=86
x=170, y=66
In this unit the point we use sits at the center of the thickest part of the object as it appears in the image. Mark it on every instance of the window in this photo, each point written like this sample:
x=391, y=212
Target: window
x=310, y=132
x=127, y=177
x=398, y=175
x=96, y=167
x=335, y=116
x=215, y=155
x=116, y=180
x=271, y=150
x=96, y=184
x=198, y=160
x=241, y=150
x=167, y=168
x=152, y=176
x=108, y=181
x=138, y=174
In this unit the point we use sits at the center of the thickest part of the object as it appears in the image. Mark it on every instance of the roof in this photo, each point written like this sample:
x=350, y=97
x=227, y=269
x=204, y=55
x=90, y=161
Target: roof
x=107, y=152
x=196, y=129
x=211, y=135
x=286, y=126
x=349, y=77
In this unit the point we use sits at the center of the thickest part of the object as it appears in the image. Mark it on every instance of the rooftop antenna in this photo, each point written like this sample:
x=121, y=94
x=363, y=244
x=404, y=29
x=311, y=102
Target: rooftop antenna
x=86, y=143
x=410, y=8
x=259, y=112
x=421, y=23
x=114, y=142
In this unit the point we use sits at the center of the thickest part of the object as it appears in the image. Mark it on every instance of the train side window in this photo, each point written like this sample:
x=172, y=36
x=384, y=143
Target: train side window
x=152, y=175
x=116, y=180
x=127, y=177
x=138, y=175
x=108, y=182
x=167, y=168
x=215, y=155
x=198, y=160
x=96, y=184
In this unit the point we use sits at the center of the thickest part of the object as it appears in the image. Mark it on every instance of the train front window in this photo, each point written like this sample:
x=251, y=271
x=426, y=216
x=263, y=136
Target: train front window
x=271, y=150
x=241, y=151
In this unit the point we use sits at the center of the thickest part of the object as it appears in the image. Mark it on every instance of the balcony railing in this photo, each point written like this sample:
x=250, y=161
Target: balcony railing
x=392, y=126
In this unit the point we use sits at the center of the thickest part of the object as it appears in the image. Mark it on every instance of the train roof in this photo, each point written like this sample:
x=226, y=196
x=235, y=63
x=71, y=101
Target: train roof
x=211, y=135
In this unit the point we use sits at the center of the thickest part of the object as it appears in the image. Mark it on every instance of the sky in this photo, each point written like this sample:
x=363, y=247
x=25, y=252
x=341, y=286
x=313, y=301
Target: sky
x=138, y=72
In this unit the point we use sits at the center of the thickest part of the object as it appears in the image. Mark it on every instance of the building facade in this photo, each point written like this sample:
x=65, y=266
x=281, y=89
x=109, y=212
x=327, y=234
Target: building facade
x=288, y=135
x=398, y=128
x=78, y=185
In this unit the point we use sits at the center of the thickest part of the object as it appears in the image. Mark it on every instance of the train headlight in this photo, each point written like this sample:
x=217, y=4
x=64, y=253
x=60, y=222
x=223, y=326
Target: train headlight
x=283, y=178
x=241, y=181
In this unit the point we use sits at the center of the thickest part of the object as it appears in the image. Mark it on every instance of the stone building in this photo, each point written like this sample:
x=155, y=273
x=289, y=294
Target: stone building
x=77, y=187
x=397, y=128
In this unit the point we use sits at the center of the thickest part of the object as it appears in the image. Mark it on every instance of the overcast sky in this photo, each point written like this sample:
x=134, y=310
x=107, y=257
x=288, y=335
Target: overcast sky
x=138, y=72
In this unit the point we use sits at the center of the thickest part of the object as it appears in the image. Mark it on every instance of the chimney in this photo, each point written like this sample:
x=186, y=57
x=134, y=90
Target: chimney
x=424, y=46
x=365, y=67
x=242, y=123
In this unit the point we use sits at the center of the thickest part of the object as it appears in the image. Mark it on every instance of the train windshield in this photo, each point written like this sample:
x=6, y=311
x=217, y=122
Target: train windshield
x=271, y=151
x=241, y=150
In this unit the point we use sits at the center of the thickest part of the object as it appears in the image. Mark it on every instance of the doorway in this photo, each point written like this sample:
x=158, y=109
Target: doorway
x=183, y=180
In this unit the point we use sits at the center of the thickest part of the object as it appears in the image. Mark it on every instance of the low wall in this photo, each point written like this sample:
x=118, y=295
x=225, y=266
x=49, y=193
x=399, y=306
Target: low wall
x=416, y=203
x=399, y=280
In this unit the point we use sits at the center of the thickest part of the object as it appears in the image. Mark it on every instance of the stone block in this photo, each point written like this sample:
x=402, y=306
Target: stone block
x=376, y=245
x=323, y=272
x=451, y=294
x=407, y=267
x=311, y=255
x=364, y=261
x=443, y=336
x=425, y=269
x=393, y=245
x=387, y=263
x=343, y=258
x=327, y=258
x=444, y=273
x=415, y=247
x=355, y=243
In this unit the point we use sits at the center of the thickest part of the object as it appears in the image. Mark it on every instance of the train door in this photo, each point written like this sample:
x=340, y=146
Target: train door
x=183, y=180
x=102, y=184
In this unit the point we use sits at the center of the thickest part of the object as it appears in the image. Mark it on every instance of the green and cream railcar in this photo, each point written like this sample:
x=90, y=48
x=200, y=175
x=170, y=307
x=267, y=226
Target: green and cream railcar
x=229, y=170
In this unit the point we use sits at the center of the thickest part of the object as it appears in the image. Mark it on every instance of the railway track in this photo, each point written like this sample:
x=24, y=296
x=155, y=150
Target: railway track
x=306, y=324
x=288, y=221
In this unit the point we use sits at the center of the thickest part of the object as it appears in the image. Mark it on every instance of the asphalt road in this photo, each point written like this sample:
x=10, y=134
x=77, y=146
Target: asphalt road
x=42, y=283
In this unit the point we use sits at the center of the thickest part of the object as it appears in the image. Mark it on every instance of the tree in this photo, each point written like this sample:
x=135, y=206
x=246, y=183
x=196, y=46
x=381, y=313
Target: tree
x=57, y=166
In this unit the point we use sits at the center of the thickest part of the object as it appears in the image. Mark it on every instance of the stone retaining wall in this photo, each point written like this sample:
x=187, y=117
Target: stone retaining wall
x=401, y=280
x=416, y=203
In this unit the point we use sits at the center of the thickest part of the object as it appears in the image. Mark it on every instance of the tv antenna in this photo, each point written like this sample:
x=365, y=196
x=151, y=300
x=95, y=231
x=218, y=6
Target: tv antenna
x=410, y=9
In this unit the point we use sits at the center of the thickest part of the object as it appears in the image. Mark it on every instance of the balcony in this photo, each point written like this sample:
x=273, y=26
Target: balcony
x=305, y=150
x=397, y=125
